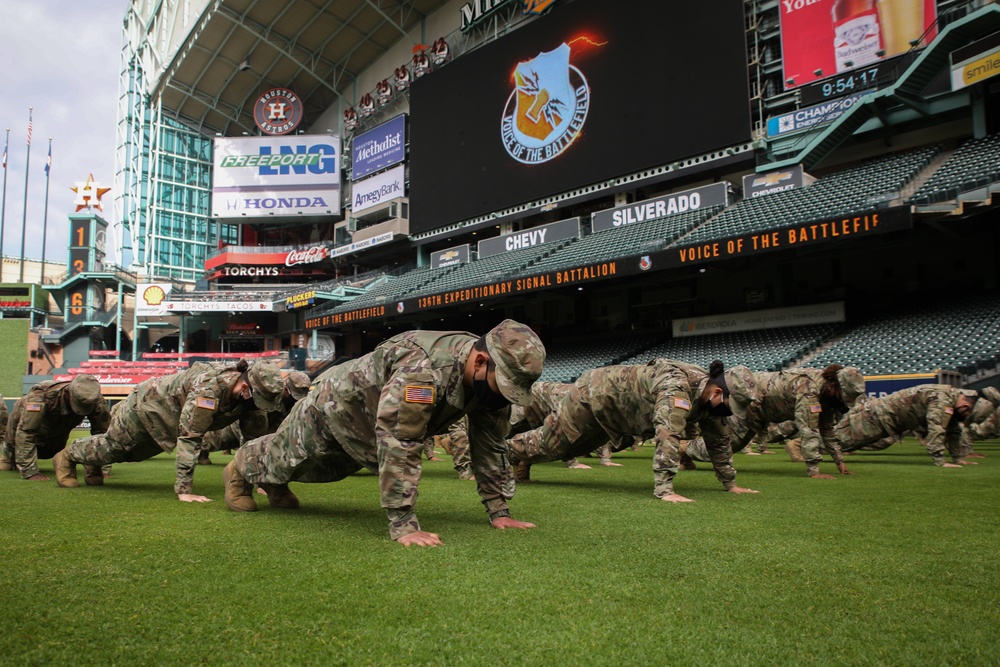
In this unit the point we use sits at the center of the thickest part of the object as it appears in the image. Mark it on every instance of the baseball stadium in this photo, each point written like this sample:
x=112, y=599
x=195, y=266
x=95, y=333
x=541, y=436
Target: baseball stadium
x=576, y=268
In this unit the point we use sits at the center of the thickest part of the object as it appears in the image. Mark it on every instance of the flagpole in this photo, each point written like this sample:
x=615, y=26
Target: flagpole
x=3, y=206
x=24, y=215
x=45, y=219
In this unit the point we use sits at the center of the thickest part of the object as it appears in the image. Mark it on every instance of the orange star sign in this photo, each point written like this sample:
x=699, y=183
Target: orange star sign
x=89, y=194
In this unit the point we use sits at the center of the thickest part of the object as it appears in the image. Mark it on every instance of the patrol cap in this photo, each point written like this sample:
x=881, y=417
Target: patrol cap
x=519, y=355
x=297, y=383
x=852, y=384
x=970, y=394
x=265, y=380
x=84, y=394
x=742, y=389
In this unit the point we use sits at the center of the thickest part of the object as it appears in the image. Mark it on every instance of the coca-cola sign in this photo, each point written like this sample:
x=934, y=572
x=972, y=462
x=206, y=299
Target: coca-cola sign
x=317, y=253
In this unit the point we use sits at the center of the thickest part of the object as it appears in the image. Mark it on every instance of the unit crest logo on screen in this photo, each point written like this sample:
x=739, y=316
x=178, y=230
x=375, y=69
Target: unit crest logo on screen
x=547, y=108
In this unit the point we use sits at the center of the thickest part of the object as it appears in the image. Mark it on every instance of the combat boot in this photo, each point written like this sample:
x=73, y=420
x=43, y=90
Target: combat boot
x=239, y=492
x=522, y=472
x=65, y=471
x=279, y=495
x=794, y=449
x=203, y=459
x=6, y=465
x=686, y=462
x=93, y=476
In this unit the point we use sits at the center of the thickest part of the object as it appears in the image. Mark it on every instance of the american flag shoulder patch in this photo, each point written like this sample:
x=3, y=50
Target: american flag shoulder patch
x=815, y=407
x=419, y=394
x=33, y=407
x=682, y=403
x=949, y=410
x=207, y=403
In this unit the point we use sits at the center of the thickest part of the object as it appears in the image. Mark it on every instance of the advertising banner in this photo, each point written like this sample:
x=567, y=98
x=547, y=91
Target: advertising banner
x=450, y=257
x=379, y=148
x=550, y=233
x=19, y=296
x=150, y=298
x=814, y=116
x=772, y=318
x=371, y=192
x=758, y=185
x=660, y=207
x=976, y=62
x=268, y=177
x=361, y=245
x=822, y=38
x=219, y=306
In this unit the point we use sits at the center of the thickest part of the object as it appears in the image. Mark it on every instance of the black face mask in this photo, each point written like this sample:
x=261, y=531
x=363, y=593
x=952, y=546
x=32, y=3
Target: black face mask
x=720, y=410
x=491, y=399
x=833, y=404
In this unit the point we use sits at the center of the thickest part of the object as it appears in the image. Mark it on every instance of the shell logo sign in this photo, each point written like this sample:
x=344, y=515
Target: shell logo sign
x=150, y=299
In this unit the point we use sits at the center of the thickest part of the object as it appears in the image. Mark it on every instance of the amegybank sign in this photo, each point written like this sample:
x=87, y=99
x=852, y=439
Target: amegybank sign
x=271, y=177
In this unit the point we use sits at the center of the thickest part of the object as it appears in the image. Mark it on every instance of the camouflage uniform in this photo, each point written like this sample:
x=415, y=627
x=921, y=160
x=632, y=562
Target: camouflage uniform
x=984, y=423
x=545, y=397
x=6, y=456
x=662, y=399
x=458, y=434
x=297, y=386
x=377, y=411
x=794, y=395
x=44, y=417
x=175, y=412
x=926, y=410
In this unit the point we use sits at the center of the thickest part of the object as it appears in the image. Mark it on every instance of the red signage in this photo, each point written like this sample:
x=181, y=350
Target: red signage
x=823, y=38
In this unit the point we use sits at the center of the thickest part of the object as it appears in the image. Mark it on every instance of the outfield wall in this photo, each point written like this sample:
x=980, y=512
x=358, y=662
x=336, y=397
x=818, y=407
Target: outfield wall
x=13, y=355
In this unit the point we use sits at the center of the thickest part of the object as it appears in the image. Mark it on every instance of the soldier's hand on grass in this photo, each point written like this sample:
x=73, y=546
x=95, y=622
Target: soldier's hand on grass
x=38, y=478
x=504, y=522
x=421, y=538
x=822, y=476
x=676, y=498
x=975, y=455
x=950, y=465
x=740, y=489
x=611, y=464
x=963, y=462
x=844, y=470
x=191, y=498
x=579, y=466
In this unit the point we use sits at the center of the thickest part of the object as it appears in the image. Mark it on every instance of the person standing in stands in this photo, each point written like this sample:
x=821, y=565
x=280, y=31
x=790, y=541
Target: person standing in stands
x=43, y=419
x=668, y=400
x=377, y=411
x=174, y=412
x=933, y=411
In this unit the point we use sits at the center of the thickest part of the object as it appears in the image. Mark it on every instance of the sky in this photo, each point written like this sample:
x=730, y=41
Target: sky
x=62, y=59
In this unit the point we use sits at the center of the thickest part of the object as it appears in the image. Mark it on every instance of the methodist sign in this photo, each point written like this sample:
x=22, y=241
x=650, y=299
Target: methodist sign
x=660, y=207
x=378, y=148
x=273, y=177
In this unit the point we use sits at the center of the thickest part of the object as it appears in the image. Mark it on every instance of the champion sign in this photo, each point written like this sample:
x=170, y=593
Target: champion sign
x=276, y=176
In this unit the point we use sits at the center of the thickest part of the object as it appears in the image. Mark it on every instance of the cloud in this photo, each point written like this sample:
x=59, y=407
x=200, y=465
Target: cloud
x=67, y=57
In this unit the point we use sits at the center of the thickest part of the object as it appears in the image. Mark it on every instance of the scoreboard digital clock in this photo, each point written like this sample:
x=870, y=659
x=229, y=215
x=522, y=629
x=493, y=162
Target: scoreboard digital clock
x=864, y=78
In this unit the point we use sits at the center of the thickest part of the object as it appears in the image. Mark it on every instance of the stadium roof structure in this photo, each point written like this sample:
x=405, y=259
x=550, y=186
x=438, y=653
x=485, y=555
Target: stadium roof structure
x=236, y=50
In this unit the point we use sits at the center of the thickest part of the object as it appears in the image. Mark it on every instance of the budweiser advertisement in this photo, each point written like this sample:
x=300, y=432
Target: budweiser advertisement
x=823, y=38
x=274, y=177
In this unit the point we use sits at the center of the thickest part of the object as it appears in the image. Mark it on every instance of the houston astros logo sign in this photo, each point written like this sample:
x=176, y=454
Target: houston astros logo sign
x=547, y=108
x=278, y=111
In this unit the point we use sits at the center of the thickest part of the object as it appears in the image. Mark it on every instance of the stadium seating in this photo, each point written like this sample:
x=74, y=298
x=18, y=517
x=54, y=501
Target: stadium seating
x=858, y=189
x=761, y=349
x=631, y=240
x=922, y=338
x=566, y=360
x=976, y=164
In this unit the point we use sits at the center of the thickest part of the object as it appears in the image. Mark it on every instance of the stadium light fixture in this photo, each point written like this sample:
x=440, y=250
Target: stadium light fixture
x=848, y=63
x=245, y=65
x=818, y=72
x=915, y=42
x=880, y=53
x=790, y=81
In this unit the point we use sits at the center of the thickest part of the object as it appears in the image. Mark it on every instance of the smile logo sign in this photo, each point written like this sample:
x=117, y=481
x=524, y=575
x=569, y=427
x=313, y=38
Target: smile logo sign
x=547, y=108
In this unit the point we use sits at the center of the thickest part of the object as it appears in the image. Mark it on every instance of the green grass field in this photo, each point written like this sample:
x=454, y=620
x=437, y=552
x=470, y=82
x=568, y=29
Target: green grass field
x=896, y=565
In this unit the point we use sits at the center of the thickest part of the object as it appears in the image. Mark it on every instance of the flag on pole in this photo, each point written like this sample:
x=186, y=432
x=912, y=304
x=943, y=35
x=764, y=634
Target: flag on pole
x=5, y=153
x=29, y=129
x=48, y=160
